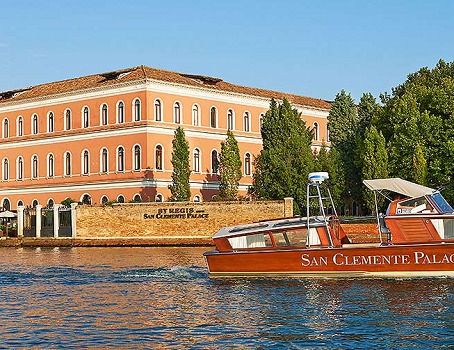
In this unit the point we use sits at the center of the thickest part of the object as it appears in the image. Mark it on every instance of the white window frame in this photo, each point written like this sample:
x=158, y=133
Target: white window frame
x=20, y=126
x=135, y=117
x=161, y=110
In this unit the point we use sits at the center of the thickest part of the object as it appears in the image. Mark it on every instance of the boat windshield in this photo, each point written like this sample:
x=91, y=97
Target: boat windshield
x=440, y=203
x=414, y=205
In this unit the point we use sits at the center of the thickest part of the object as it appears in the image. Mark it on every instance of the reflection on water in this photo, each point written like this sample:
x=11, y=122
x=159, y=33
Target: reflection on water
x=163, y=298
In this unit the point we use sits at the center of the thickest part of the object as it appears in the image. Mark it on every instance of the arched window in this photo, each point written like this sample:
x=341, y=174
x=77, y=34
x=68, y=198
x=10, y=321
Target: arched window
x=120, y=159
x=104, y=160
x=158, y=158
x=316, y=131
x=247, y=164
x=86, y=199
x=177, y=113
x=196, y=160
x=230, y=120
x=50, y=122
x=214, y=162
x=35, y=167
x=86, y=162
x=20, y=168
x=50, y=165
x=120, y=199
x=6, y=169
x=20, y=126
x=86, y=117
x=104, y=200
x=213, y=117
x=35, y=124
x=20, y=203
x=261, y=119
x=50, y=203
x=104, y=114
x=158, y=198
x=5, y=128
x=6, y=204
x=196, y=198
x=137, y=198
x=68, y=120
x=195, y=115
x=246, y=121
x=35, y=203
x=137, y=157
x=121, y=112
x=68, y=169
x=157, y=110
x=137, y=110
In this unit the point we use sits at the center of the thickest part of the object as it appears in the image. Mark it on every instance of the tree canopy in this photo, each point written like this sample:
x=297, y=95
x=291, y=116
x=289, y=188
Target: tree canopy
x=418, y=124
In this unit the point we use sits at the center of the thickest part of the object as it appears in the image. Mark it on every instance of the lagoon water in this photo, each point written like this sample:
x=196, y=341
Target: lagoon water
x=162, y=298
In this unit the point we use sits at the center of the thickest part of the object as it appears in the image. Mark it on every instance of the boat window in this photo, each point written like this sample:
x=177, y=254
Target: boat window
x=440, y=203
x=414, y=205
x=259, y=240
x=291, y=238
x=444, y=227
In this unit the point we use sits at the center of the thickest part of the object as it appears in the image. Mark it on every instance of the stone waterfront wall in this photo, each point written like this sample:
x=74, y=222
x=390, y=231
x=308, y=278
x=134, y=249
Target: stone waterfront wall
x=173, y=220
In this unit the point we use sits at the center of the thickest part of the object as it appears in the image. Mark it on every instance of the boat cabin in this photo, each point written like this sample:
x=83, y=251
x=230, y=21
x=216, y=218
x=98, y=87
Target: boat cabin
x=323, y=230
x=419, y=215
x=287, y=233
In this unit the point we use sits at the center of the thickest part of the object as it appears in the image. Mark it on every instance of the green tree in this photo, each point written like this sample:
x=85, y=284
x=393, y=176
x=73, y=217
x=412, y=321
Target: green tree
x=368, y=110
x=229, y=168
x=282, y=167
x=374, y=158
x=419, y=165
x=330, y=161
x=343, y=122
x=418, y=124
x=180, y=187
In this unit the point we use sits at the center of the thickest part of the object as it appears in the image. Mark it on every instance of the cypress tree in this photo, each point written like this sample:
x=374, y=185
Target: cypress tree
x=229, y=168
x=180, y=187
x=374, y=159
x=343, y=124
x=419, y=165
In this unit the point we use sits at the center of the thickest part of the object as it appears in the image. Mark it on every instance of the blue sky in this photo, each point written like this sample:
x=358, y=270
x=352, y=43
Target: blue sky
x=312, y=48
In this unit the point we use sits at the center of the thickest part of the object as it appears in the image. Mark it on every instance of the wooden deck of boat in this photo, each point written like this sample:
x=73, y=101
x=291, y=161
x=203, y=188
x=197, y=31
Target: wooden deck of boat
x=361, y=245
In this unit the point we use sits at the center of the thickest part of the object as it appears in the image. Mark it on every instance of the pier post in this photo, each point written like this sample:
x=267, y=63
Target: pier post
x=73, y=219
x=20, y=221
x=38, y=220
x=56, y=220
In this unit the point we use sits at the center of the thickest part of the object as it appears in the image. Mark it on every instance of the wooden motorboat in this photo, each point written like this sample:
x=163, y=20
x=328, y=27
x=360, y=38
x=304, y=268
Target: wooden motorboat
x=416, y=239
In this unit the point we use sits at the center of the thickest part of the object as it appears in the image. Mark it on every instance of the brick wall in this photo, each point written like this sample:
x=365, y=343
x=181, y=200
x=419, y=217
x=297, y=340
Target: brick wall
x=178, y=220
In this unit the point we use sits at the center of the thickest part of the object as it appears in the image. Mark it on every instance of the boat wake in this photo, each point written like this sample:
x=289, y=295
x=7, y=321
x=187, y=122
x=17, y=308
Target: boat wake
x=167, y=274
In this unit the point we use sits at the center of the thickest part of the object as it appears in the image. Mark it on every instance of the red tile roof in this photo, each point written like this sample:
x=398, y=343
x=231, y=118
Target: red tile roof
x=144, y=72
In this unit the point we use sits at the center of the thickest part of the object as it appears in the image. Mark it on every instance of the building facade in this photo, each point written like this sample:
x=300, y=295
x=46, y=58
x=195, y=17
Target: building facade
x=108, y=137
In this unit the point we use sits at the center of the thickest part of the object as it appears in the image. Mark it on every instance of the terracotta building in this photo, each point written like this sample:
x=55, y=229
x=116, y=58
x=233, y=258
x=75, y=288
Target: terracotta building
x=108, y=136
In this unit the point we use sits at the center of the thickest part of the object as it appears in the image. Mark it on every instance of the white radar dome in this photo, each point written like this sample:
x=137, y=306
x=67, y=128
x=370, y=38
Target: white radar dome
x=319, y=176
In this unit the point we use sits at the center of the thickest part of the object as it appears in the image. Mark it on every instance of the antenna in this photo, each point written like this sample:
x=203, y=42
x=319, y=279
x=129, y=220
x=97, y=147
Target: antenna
x=318, y=177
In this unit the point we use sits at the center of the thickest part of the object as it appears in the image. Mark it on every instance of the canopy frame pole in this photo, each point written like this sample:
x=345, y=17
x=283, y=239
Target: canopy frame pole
x=378, y=217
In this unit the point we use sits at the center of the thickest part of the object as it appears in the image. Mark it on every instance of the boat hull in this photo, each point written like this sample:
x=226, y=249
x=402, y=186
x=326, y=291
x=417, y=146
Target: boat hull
x=417, y=260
